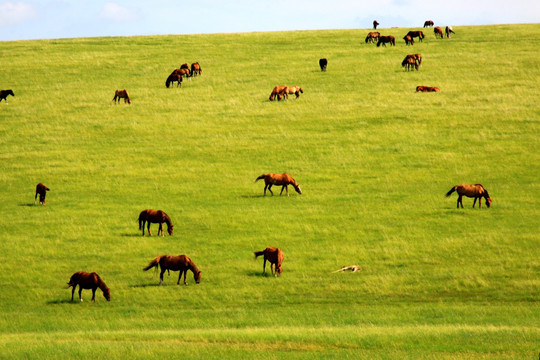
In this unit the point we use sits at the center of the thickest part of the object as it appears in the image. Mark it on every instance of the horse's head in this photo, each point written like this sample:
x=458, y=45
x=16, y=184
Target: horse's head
x=197, y=277
x=488, y=202
x=297, y=188
x=107, y=294
x=279, y=270
x=170, y=229
x=300, y=89
x=10, y=92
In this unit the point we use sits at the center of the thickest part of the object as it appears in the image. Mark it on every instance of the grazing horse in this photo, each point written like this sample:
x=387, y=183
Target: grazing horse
x=172, y=78
x=427, y=89
x=408, y=40
x=372, y=36
x=122, y=94
x=278, y=92
x=428, y=23
x=410, y=63
x=155, y=216
x=449, y=31
x=476, y=191
x=196, y=69
x=279, y=179
x=386, y=39
x=323, y=63
x=274, y=256
x=419, y=34
x=375, y=24
x=41, y=190
x=184, y=66
x=4, y=94
x=180, y=263
x=296, y=90
x=438, y=32
x=88, y=281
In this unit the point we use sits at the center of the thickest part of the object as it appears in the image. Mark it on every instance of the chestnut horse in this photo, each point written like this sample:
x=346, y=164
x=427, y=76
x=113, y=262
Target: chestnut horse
x=428, y=23
x=172, y=78
x=88, y=281
x=410, y=63
x=386, y=39
x=278, y=92
x=122, y=94
x=476, y=191
x=279, y=179
x=180, y=263
x=196, y=69
x=155, y=216
x=274, y=256
x=419, y=34
x=296, y=90
x=372, y=36
x=4, y=94
x=438, y=32
x=41, y=190
x=427, y=89
x=408, y=40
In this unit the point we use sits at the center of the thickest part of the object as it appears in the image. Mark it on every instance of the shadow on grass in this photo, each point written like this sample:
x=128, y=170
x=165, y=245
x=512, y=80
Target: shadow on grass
x=258, y=274
x=62, y=301
x=30, y=204
x=155, y=284
x=131, y=235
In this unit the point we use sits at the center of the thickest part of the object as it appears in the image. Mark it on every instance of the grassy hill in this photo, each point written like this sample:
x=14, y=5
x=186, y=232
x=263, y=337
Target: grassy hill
x=374, y=160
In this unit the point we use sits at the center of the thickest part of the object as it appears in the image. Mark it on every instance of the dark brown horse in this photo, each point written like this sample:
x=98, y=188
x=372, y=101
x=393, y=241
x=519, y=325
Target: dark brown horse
x=184, y=66
x=279, y=179
x=476, y=191
x=4, y=94
x=279, y=92
x=427, y=89
x=375, y=24
x=438, y=32
x=372, y=37
x=323, y=63
x=448, y=30
x=172, y=78
x=386, y=39
x=409, y=63
x=428, y=23
x=408, y=40
x=196, y=69
x=88, y=281
x=180, y=263
x=274, y=256
x=41, y=190
x=121, y=94
x=155, y=216
x=419, y=34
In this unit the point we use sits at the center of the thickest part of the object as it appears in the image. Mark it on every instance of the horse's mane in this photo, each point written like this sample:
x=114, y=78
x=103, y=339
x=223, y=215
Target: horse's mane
x=101, y=283
x=486, y=195
x=193, y=267
x=167, y=219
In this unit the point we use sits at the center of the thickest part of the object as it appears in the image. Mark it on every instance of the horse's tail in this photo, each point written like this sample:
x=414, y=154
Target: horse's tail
x=153, y=263
x=260, y=177
x=451, y=191
x=258, y=253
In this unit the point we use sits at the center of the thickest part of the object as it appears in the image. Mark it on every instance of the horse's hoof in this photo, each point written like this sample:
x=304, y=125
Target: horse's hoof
x=81, y=300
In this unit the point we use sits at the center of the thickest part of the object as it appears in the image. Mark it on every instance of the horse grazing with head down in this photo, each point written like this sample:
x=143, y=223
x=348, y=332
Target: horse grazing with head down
x=438, y=32
x=296, y=90
x=323, y=63
x=172, y=78
x=428, y=23
x=196, y=69
x=274, y=256
x=409, y=63
x=476, y=191
x=427, y=89
x=41, y=190
x=372, y=36
x=408, y=40
x=88, y=281
x=121, y=94
x=180, y=263
x=4, y=94
x=419, y=34
x=449, y=31
x=278, y=92
x=386, y=39
x=279, y=179
x=155, y=216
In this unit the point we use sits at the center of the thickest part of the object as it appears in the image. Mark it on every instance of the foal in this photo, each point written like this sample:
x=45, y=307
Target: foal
x=274, y=256
x=42, y=191
x=88, y=281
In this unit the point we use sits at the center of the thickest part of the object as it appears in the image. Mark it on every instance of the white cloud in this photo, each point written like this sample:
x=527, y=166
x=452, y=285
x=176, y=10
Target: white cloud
x=116, y=12
x=12, y=13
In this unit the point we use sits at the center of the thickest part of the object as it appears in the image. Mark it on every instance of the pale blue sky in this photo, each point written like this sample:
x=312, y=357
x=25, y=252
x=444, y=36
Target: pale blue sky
x=46, y=19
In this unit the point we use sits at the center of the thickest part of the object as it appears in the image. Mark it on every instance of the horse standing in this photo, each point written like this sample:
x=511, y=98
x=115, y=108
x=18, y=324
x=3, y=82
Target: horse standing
x=323, y=63
x=279, y=179
x=449, y=31
x=277, y=92
x=386, y=39
x=41, y=190
x=274, y=256
x=438, y=32
x=408, y=40
x=180, y=263
x=196, y=69
x=296, y=90
x=88, y=281
x=419, y=34
x=476, y=191
x=410, y=63
x=375, y=24
x=155, y=216
x=372, y=36
x=4, y=94
x=172, y=78
x=428, y=23
x=121, y=94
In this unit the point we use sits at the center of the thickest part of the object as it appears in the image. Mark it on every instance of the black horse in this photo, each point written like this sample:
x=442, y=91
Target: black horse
x=4, y=94
x=322, y=63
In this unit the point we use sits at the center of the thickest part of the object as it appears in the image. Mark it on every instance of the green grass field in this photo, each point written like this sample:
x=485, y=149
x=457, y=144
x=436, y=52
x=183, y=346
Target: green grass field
x=374, y=159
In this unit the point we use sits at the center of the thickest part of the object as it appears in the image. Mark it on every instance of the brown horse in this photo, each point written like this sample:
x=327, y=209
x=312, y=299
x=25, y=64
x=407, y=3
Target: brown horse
x=428, y=23
x=180, y=263
x=448, y=30
x=408, y=40
x=4, y=94
x=41, y=190
x=323, y=63
x=279, y=179
x=372, y=37
x=427, y=89
x=274, y=256
x=386, y=39
x=172, y=78
x=196, y=69
x=410, y=63
x=88, y=281
x=122, y=94
x=296, y=90
x=419, y=34
x=184, y=66
x=278, y=92
x=476, y=191
x=155, y=216
x=438, y=32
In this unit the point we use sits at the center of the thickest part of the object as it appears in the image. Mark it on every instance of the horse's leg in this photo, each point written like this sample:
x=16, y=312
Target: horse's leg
x=161, y=229
x=179, y=276
x=264, y=265
x=185, y=274
x=80, y=292
x=161, y=276
x=73, y=292
x=149, y=233
x=94, y=294
x=479, y=202
x=458, y=199
x=272, y=268
x=474, y=203
x=269, y=189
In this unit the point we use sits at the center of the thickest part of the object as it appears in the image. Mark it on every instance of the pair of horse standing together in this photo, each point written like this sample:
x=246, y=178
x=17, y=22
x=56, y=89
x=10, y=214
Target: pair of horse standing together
x=282, y=91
